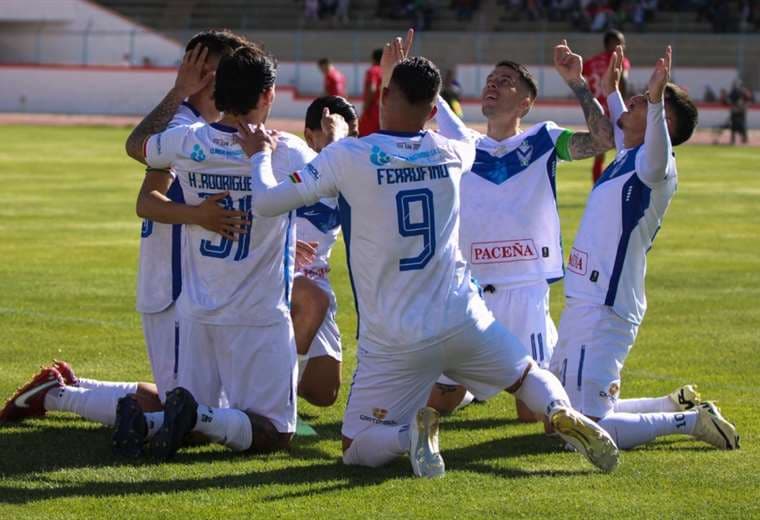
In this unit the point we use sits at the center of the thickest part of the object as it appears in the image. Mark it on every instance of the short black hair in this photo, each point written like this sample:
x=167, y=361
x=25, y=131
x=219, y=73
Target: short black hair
x=612, y=34
x=336, y=104
x=221, y=42
x=241, y=78
x=323, y=61
x=527, y=79
x=377, y=55
x=418, y=78
x=678, y=104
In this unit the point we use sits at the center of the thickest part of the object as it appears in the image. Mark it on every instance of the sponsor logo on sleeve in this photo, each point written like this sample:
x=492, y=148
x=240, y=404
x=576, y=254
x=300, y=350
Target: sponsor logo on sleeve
x=312, y=171
x=578, y=262
x=502, y=251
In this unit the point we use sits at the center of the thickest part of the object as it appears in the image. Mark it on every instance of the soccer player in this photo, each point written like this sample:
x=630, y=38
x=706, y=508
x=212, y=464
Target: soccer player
x=604, y=286
x=335, y=81
x=236, y=335
x=510, y=230
x=159, y=280
x=593, y=70
x=319, y=223
x=419, y=313
x=373, y=79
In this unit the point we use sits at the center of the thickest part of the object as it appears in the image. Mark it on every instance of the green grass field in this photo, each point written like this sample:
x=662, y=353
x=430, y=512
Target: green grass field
x=68, y=256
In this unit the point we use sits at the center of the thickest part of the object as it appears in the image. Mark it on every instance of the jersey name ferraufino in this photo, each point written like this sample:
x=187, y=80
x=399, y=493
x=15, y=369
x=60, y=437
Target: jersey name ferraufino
x=607, y=263
x=159, y=276
x=398, y=196
x=246, y=282
x=510, y=225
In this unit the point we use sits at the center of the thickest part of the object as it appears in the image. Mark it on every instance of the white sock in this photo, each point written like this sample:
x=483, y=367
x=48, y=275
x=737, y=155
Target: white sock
x=630, y=430
x=377, y=446
x=227, y=426
x=124, y=388
x=153, y=421
x=302, y=361
x=97, y=404
x=646, y=405
x=541, y=391
x=467, y=399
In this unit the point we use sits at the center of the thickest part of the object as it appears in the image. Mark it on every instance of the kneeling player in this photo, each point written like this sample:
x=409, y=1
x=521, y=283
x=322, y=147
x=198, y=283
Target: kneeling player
x=605, y=280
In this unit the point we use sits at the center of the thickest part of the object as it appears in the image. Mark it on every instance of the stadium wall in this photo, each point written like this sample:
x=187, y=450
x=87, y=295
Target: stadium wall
x=121, y=91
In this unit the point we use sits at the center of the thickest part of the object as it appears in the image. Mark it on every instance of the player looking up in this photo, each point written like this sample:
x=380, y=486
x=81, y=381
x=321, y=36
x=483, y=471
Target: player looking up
x=419, y=313
x=510, y=232
x=604, y=286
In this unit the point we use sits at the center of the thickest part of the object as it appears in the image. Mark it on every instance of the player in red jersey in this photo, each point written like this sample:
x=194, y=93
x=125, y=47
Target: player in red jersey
x=369, y=122
x=593, y=70
x=335, y=81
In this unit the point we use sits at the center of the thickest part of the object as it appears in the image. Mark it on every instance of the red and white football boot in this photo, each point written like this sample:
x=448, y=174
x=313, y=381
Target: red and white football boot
x=29, y=400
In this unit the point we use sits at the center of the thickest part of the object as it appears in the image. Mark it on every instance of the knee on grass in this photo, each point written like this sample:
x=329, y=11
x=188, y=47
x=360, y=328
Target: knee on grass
x=266, y=438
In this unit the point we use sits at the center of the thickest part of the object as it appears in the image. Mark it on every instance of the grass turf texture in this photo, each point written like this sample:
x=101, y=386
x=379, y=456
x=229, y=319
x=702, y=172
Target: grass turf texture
x=69, y=255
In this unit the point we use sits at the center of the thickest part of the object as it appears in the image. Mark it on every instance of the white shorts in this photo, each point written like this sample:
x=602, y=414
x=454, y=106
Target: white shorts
x=593, y=345
x=254, y=366
x=161, y=332
x=389, y=387
x=327, y=341
x=524, y=311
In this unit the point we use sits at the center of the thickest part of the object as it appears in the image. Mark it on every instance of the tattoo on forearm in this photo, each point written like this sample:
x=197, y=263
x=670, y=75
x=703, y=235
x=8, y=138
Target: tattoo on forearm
x=156, y=121
x=600, y=137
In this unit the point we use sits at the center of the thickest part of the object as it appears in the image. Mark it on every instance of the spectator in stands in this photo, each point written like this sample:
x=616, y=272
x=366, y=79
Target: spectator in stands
x=327, y=8
x=311, y=10
x=593, y=71
x=465, y=8
x=341, y=12
x=420, y=14
x=601, y=15
x=737, y=100
x=369, y=122
x=335, y=81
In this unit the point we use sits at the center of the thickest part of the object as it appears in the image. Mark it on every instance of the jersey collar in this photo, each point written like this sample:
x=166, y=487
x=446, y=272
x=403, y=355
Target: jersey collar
x=402, y=134
x=224, y=128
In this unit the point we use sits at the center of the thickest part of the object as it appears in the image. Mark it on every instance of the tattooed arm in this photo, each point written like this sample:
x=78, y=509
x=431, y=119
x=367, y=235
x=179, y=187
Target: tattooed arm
x=600, y=137
x=191, y=78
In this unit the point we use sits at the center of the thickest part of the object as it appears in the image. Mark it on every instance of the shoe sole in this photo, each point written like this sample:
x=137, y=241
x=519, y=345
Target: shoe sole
x=131, y=430
x=426, y=450
x=180, y=412
x=596, y=445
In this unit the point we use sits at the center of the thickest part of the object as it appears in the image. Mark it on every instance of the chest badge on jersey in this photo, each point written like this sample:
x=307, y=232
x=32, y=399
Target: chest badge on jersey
x=524, y=153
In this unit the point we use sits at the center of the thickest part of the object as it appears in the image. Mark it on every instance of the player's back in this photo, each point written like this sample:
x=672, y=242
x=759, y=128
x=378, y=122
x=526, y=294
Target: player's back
x=226, y=282
x=399, y=207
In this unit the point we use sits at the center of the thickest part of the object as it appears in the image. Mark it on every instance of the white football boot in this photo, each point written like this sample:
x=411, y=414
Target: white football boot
x=424, y=452
x=686, y=397
x=586, y=437
x=714, y=429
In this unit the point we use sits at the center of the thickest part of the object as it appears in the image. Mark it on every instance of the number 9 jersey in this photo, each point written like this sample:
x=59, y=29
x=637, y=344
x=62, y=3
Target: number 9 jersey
x=398, y=197
x=245, y=282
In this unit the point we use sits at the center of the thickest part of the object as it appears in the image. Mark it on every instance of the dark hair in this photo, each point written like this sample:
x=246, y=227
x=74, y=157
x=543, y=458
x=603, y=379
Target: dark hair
x=678, y=104
x=377, y=55
x=336, y=104
x=219, y=42
x=612, y=34
x=241, y=78
x=527, y=79
x=418, y=78
x=323, y=61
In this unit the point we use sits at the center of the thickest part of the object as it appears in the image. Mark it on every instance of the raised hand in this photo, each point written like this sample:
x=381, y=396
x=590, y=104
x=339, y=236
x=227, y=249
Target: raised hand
x=190, y=76
x=660, y=76
x=568, y=64
x=394, y=52
x=229, y=223
x=611, y=78
x=333, y=126
x=254, y=141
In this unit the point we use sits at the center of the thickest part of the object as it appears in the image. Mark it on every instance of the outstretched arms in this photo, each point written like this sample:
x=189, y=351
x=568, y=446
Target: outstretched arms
x=657, y=146
x=611, y=83
x=190, y=79
x=600, y=136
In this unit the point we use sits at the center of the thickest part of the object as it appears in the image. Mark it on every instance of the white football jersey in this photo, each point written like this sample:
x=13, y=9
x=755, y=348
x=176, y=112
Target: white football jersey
x=624, y=211
x=319, y=222
x=510, y=224
x=398, y=196
x=244, y=282
x=159, y=277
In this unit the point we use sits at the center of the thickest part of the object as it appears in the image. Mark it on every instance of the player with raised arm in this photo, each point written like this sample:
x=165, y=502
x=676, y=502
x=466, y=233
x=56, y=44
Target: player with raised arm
x=510, y=229
x=319, y=223
x=604, y=287
x=159, y=281
x=419, y=313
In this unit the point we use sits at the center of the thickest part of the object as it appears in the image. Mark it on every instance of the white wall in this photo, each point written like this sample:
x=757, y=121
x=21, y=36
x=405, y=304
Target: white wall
x=22, y=39
x=119, y=91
